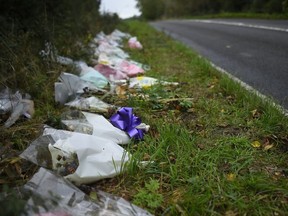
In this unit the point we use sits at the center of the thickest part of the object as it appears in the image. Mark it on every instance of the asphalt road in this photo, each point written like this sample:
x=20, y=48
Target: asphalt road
x=254, y=51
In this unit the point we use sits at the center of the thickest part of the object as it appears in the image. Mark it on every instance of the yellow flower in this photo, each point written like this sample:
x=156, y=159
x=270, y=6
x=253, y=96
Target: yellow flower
x=256, y=144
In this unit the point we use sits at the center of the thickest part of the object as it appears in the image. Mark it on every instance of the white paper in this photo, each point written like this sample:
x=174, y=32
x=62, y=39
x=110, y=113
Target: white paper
x=143, y=81
x=101, y=127
x=98, y=158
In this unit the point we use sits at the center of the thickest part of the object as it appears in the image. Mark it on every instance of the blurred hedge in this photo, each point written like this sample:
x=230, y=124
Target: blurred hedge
x=178, y=8
x=27, y=25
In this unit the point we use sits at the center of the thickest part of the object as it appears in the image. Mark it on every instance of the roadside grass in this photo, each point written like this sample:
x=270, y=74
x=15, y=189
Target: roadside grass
x=214, y=148
x=200, y=154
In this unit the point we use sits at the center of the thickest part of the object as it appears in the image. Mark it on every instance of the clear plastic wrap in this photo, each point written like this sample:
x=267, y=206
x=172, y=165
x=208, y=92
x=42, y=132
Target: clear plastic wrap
x=50, y=194
x=91, y=103
x=143, y=82
x=70, y=87
x=16, y=104
x=94, y=124
x=89, y=74
x=133, y=43
x=81, y=158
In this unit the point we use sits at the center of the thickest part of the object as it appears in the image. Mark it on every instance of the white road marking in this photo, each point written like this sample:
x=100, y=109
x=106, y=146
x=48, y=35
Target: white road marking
x=251, y=89
x=243, y=84
x=241, y=25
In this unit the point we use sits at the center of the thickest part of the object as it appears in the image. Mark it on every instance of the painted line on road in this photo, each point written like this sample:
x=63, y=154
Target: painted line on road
x=241, y=25
x=251, y=89
x=235, y=79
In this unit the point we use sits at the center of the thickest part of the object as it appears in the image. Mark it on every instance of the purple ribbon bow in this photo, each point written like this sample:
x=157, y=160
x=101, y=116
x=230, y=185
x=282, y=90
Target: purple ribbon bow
x=125, y=120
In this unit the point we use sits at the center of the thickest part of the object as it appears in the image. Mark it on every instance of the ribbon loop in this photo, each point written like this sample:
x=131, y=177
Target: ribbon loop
x=125, y=120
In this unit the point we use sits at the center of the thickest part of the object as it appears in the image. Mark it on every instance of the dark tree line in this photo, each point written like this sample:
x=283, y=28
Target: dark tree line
x=28, y=26
x=46, y=16
x=153, y=9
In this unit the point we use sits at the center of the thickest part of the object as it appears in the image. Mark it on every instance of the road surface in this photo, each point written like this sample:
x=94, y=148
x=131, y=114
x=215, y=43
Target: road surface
x=254, y=51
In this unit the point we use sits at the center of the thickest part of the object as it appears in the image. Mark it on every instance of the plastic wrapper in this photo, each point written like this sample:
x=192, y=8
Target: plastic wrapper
x=114, y=39
x=81, y=158
x=109, y=60
x=110, y=73
x=118, y=35
x=110, y=51
x=144, y=82
x=49, y=52
x=64, y=60
x=92, y=104
x=95, y=125
x=145, y=67
x=70, y=87
x=133, y=43
x=98, y=158
x=38, y=153
x=8, y=100
x=52, y=195
x=16, y=105
x=130, y=68
x=89, y=74
x=99, y=37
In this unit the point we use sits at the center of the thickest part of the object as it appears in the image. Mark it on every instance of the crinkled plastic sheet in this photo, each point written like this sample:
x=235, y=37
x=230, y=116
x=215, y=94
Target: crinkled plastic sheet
x=143, y=81
x=111, y=50
x=70, y=87
x=145, y=67
x=114, y=39
x=118, y=35
x=89, y=74
x=8, y=100
x=76, y=121
x=110, y=60
x=94, y=124
x=110, y=73
x=92, y=104
x=64, y=60
x=129, y=68
x=81, y=158
x=134, y=43
x=98, y=158
x=16, y=104
x=38, y=153
x=50, y=194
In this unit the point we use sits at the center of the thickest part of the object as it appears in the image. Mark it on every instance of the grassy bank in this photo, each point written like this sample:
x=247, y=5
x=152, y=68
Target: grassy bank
x=213, y=148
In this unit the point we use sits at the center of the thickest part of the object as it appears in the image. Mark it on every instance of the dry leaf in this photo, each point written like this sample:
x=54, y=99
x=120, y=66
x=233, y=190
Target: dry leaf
x=146, y=157
x=121, y=91
x=230, y=213
x=256, y=144
x=267, y=147
x=254, y=112
x=14, y=160
x=201, y=146
x=230, y=176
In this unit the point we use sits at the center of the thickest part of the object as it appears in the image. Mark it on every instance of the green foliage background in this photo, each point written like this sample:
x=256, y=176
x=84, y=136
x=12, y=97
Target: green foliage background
x=153, y=9
x=26, y=26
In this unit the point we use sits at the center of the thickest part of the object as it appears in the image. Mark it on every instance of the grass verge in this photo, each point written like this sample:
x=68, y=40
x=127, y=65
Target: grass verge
x=213, y=149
